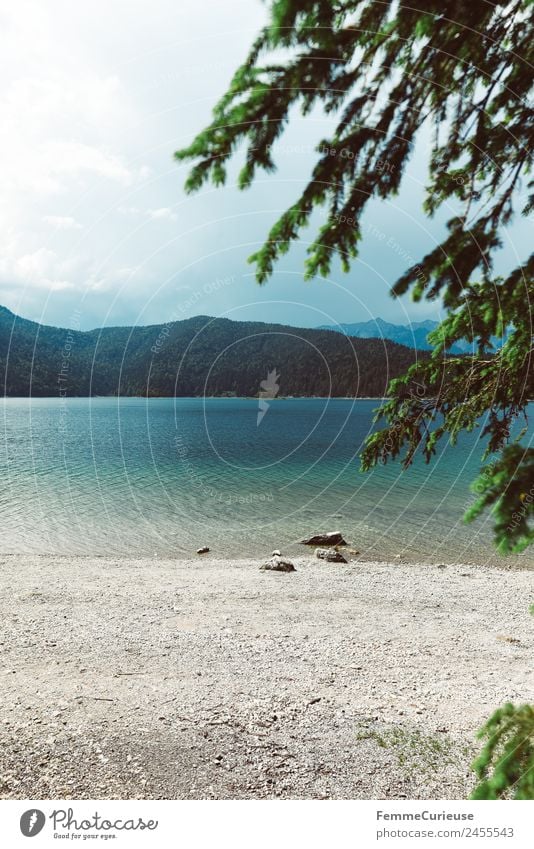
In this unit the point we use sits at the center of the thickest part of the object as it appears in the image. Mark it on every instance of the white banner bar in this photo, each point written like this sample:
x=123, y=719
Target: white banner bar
x=268, y=825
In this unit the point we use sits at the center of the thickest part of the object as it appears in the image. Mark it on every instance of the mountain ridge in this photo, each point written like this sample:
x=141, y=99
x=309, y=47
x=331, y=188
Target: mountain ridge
x=413, y=335
x=193, y=357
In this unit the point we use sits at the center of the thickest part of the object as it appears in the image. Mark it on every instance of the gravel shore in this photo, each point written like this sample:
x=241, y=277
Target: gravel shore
x=212, y=679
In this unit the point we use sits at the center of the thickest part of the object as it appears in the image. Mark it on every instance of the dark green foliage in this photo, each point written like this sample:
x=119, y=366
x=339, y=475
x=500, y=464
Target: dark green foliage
x=195, y=357
x=385, y=69
x=507, y=485
x=445, y=396
x=505, y=767
x=463, y=66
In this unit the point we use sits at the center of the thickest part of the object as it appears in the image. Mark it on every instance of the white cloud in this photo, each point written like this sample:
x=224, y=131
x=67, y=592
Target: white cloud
x=129, y=278
x=62, y=119
x=163, y=212
x=40, y=167
x=159, y=214
x=35, y=264
x=90, y=117
x=129, y=210
x=77, y=158
x=40, y=269
x=62, y=222
x=52, y=131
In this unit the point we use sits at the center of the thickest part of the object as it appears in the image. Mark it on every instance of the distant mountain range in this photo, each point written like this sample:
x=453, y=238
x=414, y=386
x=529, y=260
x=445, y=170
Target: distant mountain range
x=195, y=357
x=412, y=335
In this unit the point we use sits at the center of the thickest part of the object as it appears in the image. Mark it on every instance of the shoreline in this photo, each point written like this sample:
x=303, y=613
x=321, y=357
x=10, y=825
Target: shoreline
x=295, y=551
x=205, y=397
x=206, y=678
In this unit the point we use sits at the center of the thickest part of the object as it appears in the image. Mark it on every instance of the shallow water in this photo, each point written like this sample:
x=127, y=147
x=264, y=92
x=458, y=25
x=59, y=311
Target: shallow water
x=133, y=476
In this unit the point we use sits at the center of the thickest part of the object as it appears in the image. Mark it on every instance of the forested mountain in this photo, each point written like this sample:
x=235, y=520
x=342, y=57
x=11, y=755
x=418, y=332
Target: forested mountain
x=197, y=356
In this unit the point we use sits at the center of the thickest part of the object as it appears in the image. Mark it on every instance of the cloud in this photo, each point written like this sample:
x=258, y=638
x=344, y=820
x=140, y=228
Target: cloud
x=36, y=269
x=39, y=167
x=163, y=212
x=40, y=270
x=63, y=119
x=77, y=158
x=52, y=131
x=129, y=210
x=62, y=222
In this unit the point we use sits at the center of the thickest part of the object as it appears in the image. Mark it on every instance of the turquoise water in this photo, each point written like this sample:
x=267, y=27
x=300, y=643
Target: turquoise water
x=133, y=476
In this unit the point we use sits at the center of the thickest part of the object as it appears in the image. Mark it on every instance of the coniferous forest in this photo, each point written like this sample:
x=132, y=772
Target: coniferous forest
x=194, y=357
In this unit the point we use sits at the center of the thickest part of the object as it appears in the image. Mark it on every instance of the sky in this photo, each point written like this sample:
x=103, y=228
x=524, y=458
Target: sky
x=95, y=228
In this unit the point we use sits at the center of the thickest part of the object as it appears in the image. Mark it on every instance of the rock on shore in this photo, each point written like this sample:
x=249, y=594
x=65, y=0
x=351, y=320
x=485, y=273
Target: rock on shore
x=330, y=554
x=330, y=538
x=278, y=564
